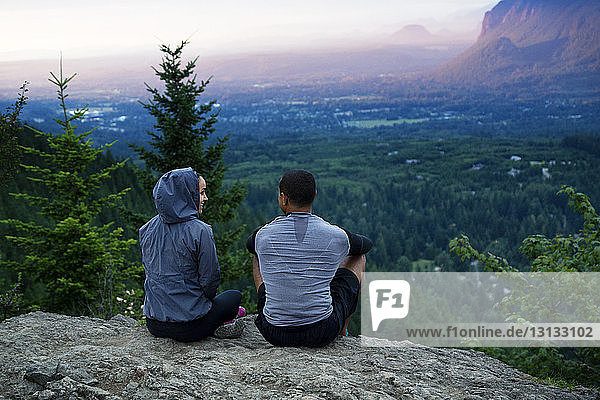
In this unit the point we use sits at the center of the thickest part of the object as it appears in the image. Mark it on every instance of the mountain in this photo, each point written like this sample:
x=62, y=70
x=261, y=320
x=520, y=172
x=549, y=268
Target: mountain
x=413, y=34
x=419, y=36
x=551, y=43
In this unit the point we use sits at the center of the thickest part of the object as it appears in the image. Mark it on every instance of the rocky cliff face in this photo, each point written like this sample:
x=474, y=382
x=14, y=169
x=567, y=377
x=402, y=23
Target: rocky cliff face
x=507, y=13
x=527, y=22
x=552, y=41
x=49, y=356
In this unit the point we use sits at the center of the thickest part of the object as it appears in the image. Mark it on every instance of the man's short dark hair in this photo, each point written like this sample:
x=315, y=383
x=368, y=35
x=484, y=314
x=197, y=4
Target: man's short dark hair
x=299, y=185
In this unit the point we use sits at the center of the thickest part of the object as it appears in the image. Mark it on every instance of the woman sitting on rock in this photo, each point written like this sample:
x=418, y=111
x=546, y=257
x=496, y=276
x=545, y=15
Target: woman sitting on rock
x=181, y=266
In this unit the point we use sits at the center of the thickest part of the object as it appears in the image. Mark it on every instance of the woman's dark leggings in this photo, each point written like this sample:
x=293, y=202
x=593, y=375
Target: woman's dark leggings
x=224, y=308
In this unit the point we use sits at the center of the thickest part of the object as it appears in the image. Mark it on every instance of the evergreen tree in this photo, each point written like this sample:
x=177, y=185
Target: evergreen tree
x=81, y=265
x=9, y=128
x=570, y=253
x=182, y=127
x=563, y=253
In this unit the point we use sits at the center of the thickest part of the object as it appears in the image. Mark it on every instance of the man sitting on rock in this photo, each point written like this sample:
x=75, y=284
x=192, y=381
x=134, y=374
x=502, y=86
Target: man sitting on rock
x=307, y=271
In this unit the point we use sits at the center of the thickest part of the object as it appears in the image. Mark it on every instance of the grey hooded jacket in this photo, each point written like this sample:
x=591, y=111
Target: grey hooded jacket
x=178, y=252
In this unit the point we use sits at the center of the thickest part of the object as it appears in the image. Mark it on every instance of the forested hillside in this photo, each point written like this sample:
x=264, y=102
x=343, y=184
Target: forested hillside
x=135, y=200
x=413, y=196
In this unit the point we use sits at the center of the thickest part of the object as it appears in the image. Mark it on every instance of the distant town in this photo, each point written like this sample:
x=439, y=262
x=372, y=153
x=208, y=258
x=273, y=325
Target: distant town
x=127, y=121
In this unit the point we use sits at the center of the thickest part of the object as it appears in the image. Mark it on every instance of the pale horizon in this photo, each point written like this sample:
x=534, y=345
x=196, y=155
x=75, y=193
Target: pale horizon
x=230, y=27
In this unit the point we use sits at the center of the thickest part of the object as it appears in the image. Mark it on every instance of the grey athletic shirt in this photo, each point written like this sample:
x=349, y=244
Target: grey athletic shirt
x=299, y=254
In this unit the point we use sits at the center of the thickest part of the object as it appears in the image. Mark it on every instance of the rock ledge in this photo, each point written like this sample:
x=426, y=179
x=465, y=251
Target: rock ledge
x=50, y=356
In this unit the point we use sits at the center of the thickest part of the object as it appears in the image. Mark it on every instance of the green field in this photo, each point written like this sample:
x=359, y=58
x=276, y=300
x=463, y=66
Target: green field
x=374, y=123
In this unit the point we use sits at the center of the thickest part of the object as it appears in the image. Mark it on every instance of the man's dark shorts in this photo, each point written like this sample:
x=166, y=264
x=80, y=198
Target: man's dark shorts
x=345, y=289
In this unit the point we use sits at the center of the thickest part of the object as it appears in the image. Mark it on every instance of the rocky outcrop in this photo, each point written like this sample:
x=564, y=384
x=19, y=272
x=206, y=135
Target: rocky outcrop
x=507, y=13
x=553, y=43
x=527, y=22
x=49, y=356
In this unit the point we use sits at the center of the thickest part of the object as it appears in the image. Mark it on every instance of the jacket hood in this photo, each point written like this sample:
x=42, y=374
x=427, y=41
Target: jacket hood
x=177, y=195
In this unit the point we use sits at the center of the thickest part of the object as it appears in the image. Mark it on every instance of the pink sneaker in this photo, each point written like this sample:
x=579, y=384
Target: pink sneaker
x=232, y=329
x=241, y=313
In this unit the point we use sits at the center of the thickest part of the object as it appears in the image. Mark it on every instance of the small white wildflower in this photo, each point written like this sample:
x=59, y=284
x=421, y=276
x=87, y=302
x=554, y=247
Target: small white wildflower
x=119, y=299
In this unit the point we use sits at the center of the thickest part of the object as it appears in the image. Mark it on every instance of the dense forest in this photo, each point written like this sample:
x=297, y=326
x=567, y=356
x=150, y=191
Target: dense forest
x=413, y=196
x=122, y=178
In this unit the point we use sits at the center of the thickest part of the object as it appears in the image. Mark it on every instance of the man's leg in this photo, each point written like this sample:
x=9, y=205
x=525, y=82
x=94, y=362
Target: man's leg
x=357, y=265
x=258, y=280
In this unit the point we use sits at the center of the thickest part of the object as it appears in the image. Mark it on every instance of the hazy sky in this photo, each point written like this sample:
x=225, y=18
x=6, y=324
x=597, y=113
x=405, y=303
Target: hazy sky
x=34, y=29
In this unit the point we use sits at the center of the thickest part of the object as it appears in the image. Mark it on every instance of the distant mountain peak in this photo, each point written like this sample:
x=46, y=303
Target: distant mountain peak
x=413, y=34
x=416, y=29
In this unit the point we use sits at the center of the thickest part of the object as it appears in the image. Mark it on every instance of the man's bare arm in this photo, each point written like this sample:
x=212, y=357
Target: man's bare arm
x=258, y=280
